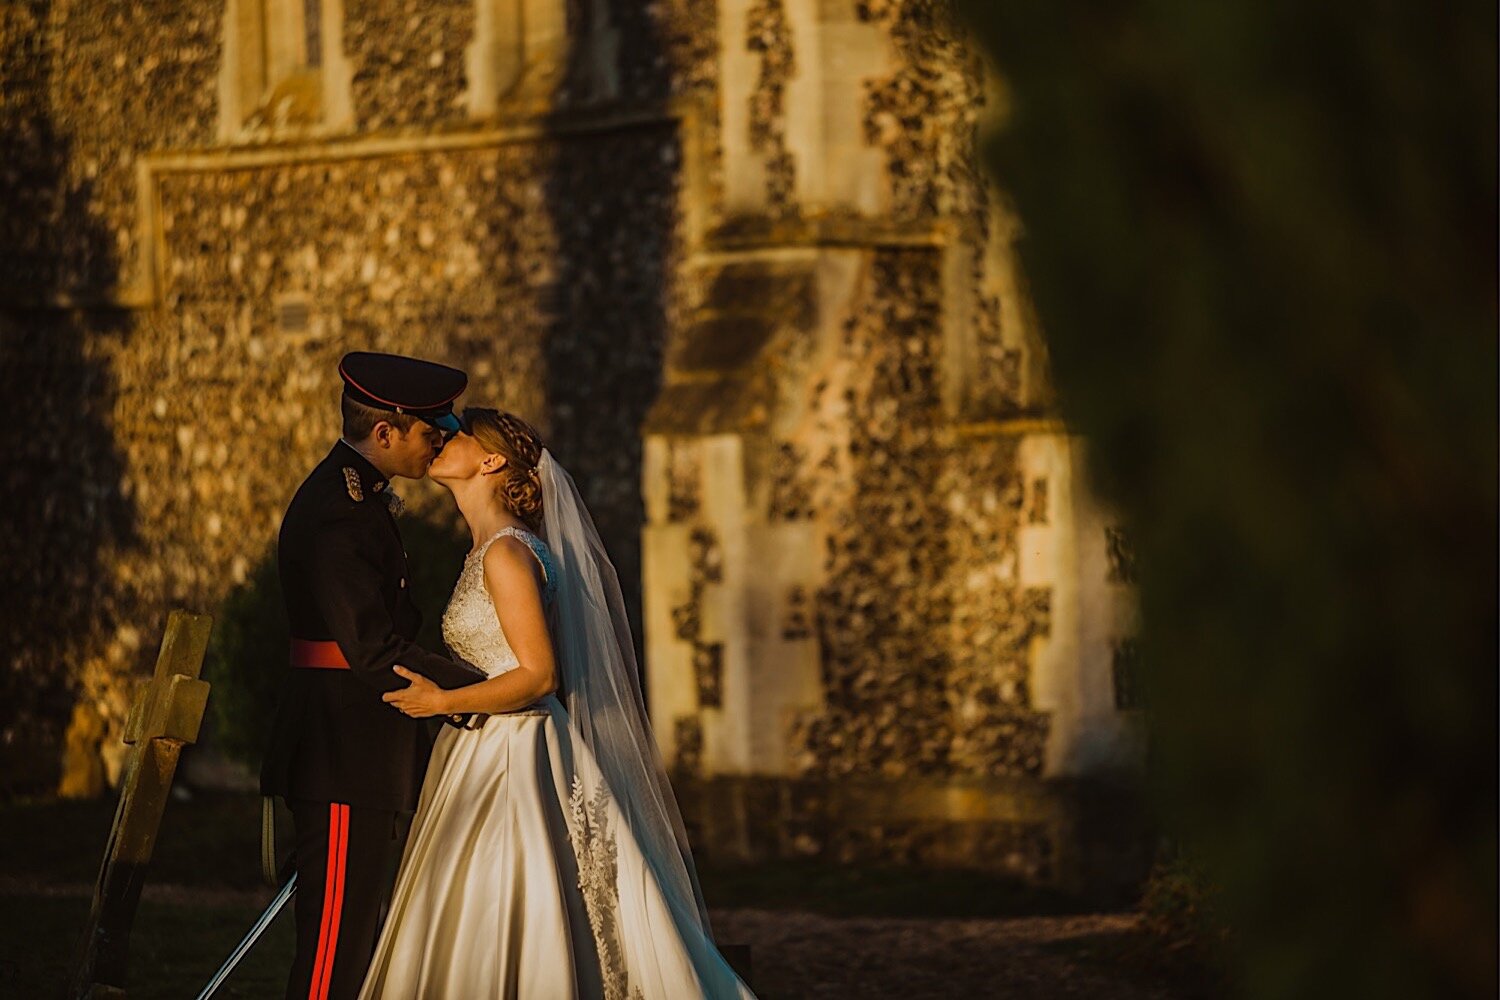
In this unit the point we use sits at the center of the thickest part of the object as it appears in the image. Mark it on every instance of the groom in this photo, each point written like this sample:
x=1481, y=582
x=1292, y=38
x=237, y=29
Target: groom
x=347, y=763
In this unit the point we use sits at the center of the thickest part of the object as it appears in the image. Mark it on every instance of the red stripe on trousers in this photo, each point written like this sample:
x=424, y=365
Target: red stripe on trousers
x=333, y=899
x=338, y=899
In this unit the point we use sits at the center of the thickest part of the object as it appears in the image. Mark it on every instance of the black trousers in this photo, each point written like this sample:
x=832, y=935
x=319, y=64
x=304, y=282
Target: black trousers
x=346, y=862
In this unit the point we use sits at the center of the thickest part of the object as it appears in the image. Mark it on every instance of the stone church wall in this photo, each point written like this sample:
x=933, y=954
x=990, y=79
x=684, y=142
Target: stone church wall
x=738, y=261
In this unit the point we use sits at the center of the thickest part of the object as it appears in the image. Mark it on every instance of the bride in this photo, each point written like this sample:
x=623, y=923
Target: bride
x=547, y=857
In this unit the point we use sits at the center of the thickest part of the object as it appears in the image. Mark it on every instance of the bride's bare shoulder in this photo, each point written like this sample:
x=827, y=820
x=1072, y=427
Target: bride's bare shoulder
x=509, y=565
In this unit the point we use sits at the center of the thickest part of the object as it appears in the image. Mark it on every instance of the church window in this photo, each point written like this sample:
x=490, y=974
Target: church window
x=312, y=26
x=283, y=68
x=521, y=52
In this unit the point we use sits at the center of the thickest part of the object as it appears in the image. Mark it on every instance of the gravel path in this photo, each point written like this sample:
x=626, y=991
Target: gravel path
x=804, y=955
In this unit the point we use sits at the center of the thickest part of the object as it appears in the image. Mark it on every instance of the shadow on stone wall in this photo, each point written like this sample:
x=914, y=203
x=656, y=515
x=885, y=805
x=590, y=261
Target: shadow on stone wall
x=612, y=197
x=62, y=472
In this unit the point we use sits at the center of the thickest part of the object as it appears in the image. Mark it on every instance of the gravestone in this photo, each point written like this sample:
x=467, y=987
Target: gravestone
x=166, y=714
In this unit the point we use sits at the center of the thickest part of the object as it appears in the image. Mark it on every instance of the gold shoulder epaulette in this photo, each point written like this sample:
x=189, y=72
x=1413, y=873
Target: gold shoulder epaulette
x=351, y=483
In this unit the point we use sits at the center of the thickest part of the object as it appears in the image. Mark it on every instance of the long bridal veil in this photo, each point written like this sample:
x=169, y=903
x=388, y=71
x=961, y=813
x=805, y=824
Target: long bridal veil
x=602, y=693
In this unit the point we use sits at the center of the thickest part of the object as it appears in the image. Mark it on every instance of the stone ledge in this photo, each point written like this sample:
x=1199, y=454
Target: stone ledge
x=1090, y=838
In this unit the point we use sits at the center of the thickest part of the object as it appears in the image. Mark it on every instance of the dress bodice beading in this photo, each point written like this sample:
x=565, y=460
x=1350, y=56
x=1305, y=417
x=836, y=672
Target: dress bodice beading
x=470, y=626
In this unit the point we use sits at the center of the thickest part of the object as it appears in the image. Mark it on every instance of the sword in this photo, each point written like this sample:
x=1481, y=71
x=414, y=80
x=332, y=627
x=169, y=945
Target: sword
x=277, y=905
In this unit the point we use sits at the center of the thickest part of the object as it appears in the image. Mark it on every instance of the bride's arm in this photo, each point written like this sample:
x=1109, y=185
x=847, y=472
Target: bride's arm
x=511, y=575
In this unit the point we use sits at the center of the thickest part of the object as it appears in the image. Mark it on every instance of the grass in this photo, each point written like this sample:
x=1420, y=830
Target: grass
x=208, y=841
x=174, y=949
x=211, y=842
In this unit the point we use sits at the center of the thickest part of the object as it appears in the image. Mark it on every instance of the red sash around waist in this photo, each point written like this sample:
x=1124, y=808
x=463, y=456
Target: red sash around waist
x=317, y=655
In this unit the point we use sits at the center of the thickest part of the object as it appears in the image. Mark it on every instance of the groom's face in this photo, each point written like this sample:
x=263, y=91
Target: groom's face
x=410, y=453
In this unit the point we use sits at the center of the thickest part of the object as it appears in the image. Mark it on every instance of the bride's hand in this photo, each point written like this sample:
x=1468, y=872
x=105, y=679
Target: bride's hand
x=420, y=699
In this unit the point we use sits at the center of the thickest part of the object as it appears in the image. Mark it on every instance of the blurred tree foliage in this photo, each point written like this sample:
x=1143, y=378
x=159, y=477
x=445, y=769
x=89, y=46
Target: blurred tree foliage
x=1261, y=235
x=248, y=653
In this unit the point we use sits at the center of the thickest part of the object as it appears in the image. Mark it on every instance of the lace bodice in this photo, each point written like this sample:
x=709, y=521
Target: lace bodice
x=470, y=627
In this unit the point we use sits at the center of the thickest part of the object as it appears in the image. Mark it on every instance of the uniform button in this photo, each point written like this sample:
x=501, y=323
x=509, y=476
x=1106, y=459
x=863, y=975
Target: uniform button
x=403, y=581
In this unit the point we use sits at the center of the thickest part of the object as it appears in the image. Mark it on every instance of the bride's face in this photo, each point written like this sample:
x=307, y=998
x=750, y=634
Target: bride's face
x=463, y=457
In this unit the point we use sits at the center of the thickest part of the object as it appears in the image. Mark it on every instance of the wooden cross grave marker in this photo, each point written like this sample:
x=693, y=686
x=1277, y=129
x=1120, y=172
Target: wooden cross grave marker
x=165, y=715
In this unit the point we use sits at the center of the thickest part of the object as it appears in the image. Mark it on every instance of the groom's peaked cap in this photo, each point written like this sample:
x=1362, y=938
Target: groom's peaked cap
x=424, y=389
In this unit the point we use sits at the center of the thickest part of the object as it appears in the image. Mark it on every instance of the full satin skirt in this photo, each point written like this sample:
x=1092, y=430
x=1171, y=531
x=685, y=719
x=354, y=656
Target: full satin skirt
x=521, y=879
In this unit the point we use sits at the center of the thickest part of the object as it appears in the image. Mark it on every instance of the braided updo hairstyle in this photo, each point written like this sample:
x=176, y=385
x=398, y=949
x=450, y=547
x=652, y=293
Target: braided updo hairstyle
x=520, y=484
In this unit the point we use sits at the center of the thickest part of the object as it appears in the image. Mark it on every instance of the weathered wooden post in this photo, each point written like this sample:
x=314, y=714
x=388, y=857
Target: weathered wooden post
x=165, y=715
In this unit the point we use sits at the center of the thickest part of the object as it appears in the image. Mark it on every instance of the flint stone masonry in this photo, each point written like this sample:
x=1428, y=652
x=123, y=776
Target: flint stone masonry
x=409, y=59
x=736, y=259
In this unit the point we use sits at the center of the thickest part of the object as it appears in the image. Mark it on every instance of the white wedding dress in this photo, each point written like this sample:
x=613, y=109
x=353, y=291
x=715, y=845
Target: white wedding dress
x=521, y=877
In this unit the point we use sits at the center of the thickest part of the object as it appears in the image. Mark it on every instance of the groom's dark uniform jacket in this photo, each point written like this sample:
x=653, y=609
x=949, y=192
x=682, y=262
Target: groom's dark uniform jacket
x=345, y=581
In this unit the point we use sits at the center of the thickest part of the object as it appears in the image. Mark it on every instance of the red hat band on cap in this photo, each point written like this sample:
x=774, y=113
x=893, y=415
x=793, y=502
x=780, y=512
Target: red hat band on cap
x=398, y=407
x=405, y=385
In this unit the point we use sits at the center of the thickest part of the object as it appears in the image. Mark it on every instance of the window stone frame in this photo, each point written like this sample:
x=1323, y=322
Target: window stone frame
x=264, y=53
